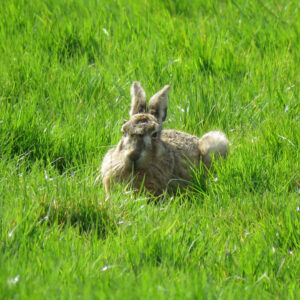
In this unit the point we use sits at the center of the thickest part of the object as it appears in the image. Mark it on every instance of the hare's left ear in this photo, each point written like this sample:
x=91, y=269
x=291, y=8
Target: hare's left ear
x=138, y=99
x=158, y=104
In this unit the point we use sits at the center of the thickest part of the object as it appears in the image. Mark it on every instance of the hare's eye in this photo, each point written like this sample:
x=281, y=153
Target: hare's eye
x=154, y=135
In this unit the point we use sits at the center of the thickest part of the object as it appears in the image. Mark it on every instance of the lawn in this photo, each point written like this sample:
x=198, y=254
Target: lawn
x=66, y=68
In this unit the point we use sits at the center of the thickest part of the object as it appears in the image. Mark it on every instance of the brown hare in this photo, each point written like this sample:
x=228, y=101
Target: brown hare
x=153, y=158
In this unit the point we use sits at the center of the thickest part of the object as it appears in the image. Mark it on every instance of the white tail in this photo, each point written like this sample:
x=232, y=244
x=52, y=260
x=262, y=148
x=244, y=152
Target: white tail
x=213, y=143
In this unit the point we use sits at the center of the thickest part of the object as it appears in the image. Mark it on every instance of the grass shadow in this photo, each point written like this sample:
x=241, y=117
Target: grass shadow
x=89, y=217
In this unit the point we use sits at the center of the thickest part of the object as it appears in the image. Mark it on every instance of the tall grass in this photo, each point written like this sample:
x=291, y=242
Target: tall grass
x=66, y=68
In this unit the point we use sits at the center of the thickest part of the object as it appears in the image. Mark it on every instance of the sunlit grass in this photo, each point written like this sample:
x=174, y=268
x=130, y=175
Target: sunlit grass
x=66, y=69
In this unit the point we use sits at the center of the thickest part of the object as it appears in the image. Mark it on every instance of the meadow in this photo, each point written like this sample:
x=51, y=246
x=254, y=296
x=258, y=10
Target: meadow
x=66, y=68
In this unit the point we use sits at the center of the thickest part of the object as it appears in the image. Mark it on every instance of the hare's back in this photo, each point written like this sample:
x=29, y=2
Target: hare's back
x=186, y=144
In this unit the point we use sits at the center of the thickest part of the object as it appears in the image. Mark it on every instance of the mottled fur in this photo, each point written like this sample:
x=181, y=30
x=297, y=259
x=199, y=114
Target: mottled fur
x=155, y=158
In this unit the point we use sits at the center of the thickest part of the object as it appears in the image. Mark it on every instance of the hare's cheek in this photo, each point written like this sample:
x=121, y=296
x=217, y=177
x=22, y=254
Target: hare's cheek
x=125, y=142
x=158, y=149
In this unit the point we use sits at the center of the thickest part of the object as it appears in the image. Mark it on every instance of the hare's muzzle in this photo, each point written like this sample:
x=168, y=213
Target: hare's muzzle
x=134, y=148
x=134, y=155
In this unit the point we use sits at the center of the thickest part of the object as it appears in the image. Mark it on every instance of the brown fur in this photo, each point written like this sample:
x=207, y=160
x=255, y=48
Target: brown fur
x=155, y=158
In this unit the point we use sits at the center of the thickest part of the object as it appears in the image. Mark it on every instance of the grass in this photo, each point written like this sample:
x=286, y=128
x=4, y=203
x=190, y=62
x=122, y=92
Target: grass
x=66, y=68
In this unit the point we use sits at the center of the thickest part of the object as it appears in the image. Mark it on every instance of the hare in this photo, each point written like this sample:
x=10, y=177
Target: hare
x=157, y=159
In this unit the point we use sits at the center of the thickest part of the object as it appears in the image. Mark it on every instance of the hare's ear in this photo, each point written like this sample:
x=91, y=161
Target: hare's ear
x=158, y=104
x=138, y=99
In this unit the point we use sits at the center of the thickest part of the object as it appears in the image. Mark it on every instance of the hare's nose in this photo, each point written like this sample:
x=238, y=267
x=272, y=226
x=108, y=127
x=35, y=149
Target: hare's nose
x=134, y=156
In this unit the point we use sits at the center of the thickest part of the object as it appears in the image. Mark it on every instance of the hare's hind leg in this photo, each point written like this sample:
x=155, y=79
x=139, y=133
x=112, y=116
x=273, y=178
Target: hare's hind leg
x=213, y=143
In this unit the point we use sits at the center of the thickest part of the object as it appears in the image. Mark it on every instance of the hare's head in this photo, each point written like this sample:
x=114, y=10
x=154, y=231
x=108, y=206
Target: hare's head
x=140, y=143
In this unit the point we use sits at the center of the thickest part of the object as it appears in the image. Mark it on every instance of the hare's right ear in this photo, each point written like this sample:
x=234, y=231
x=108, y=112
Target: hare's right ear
x=158, y=104
x=138, y=99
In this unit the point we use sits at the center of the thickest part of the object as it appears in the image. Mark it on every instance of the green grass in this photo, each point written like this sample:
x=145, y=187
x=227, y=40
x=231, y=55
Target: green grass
x=66, y=69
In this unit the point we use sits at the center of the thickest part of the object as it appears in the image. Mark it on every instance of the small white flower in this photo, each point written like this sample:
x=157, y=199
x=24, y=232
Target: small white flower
x=105, y=268
x=13, y=281
x=180, y=108
x=105, y=31
x=48, y=178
